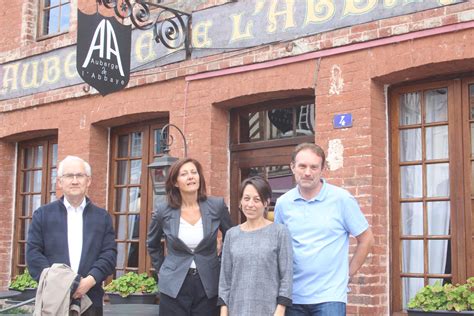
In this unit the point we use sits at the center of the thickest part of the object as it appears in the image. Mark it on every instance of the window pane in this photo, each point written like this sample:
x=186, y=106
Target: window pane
x=255, y=128
x=136, y=145
x=123, y=146
x=39, y=157
x=412, y=256
x=28, y=162
x=25, y=224
x=133, y=227
x=122, y=173
x=438, y=218
x=280, y=179
x=135, y=171
x=54, y=160
x=133, y=255
x=26, y=205
x=437, y=179
x=280, y=123
x=51, y=3
x=410, y=108
x=159, y=146
x=411, y=181
x=472, y=136
x=412, y=218
x=437, y=256
x=437, y=142
x=134, y=200
x=27, y=179
x=54, y=175
x=410, y=286
x=53, y=22
x=120, y=226
x=410, y=145
x=120, y=200
x=436, y=105
x=121, y=255
x=21, y=253
x=65, y=16
x=471, y=100
x=305, y=120
x=36, y=199
x=37, y=177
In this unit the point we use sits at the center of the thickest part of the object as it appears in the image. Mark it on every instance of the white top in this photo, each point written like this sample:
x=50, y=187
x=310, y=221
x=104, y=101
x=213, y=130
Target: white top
x=74, y=232
x=191, y=235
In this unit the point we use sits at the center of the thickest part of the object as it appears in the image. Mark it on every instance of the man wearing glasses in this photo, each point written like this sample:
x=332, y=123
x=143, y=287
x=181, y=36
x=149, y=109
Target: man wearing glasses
x=74, y=231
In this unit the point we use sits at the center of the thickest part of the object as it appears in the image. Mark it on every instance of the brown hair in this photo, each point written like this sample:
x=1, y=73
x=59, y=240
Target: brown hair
x=172, y=192
x=262, y=186
x=310, y=146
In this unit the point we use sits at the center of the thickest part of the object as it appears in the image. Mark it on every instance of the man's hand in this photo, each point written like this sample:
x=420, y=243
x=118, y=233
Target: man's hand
x=84, y=286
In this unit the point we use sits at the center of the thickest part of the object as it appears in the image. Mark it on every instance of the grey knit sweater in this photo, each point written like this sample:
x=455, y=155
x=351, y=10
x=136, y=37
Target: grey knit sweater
x=256, y=271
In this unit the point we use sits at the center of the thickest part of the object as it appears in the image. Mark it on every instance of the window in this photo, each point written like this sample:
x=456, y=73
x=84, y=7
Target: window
x=133, y=149
x=36, y=185
x=263, y=138
x=54, y=17
x=431, y=185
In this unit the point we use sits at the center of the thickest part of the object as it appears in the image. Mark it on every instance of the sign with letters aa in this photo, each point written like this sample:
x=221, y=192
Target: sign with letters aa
x=342, y=120
x=103, y=52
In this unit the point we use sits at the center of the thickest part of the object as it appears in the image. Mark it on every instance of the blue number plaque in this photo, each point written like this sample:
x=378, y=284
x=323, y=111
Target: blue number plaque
x=342, y=120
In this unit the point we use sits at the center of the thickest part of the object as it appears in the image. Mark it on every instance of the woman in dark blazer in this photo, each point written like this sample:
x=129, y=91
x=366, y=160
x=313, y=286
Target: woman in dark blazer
x=189, y=221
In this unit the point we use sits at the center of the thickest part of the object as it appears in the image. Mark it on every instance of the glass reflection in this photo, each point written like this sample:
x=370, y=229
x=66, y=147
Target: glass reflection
x=25, y=210
x=437, y=255
x=122, y=146
x=438, y=218
x=54, y=160
x=134, y=200
x=27, y=177
x=437, y=142
x=52, y=18
x=437, y=178
x=120, y=226
x=122, y=172
x=256, y=131
x=410, y=286
x=410, y=144
x=120, y=255
x=135, y=171
x=412, y=261
x=436, y=105
x=410, y=108
x=136, y=144
x=120, y=199
x=36, y=201
x=39, y=157
x=411, y=181
x=28, y=158
x=65, y=16
x=37, y=177
x=412, y=218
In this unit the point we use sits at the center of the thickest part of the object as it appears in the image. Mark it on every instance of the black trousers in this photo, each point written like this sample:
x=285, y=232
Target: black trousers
x=191, y=300
x=93, y=311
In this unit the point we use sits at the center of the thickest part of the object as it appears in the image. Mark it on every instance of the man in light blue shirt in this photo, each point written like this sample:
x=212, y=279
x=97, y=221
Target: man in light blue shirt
x=320, y=218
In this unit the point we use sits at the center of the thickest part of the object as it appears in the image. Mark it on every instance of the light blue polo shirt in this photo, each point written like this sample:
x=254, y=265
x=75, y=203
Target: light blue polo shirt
x=320, y=230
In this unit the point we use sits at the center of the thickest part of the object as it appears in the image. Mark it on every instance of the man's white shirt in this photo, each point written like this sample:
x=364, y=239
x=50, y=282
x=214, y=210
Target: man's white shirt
x=74, y=232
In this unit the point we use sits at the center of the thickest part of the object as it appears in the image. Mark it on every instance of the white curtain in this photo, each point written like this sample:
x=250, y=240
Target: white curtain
x=411, y=186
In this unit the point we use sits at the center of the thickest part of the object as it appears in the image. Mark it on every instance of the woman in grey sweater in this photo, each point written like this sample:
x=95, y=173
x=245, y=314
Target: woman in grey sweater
x=257, y=259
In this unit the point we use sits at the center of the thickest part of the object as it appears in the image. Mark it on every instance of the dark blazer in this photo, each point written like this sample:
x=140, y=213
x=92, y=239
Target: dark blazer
x=174, y=267
x=47, y=244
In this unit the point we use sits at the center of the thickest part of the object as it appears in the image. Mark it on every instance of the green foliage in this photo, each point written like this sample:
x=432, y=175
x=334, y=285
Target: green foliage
x=459, y=297
x=23, y=281
x=132, y=283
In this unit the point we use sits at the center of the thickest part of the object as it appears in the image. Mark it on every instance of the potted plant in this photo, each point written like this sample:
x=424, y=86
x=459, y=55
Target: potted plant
x=445, y=299
x=132, y=288
x=24, y=284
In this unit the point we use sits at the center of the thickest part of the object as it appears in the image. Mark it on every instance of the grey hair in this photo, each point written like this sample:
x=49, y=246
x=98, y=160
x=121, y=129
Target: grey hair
x=87, y=167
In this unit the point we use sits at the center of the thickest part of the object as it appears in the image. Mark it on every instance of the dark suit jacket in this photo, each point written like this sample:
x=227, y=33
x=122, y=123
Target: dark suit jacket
x=47, y=243
x=174, y=267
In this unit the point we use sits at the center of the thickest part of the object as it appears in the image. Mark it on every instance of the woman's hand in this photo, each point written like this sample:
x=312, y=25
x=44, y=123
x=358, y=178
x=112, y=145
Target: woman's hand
x=224, y=310
x=279, y=311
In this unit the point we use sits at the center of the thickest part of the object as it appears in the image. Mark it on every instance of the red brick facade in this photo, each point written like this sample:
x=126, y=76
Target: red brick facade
x=197, y=95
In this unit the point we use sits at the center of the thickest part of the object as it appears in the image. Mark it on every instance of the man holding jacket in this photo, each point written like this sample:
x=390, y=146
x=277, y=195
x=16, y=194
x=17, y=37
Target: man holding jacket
x=74, y=231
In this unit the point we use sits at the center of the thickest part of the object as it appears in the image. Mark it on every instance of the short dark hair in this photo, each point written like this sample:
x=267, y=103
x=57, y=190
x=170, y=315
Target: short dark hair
x=173, y=194
x=310, y=146
x=262, y=186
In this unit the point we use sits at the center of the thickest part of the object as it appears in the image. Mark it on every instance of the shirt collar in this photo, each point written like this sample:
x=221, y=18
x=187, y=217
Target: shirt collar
x=319, y=197
x=70, y=207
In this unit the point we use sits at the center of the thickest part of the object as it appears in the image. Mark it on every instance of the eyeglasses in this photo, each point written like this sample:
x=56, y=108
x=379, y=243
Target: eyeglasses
x=71, y=176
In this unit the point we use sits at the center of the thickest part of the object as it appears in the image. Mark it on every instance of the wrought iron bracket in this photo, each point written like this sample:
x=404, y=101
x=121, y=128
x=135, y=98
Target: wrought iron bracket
x=167, y=139
x=171, y=27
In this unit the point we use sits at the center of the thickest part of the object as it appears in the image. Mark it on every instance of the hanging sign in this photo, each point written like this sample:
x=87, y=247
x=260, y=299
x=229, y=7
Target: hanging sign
x=342, y=120
x=103, y=52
